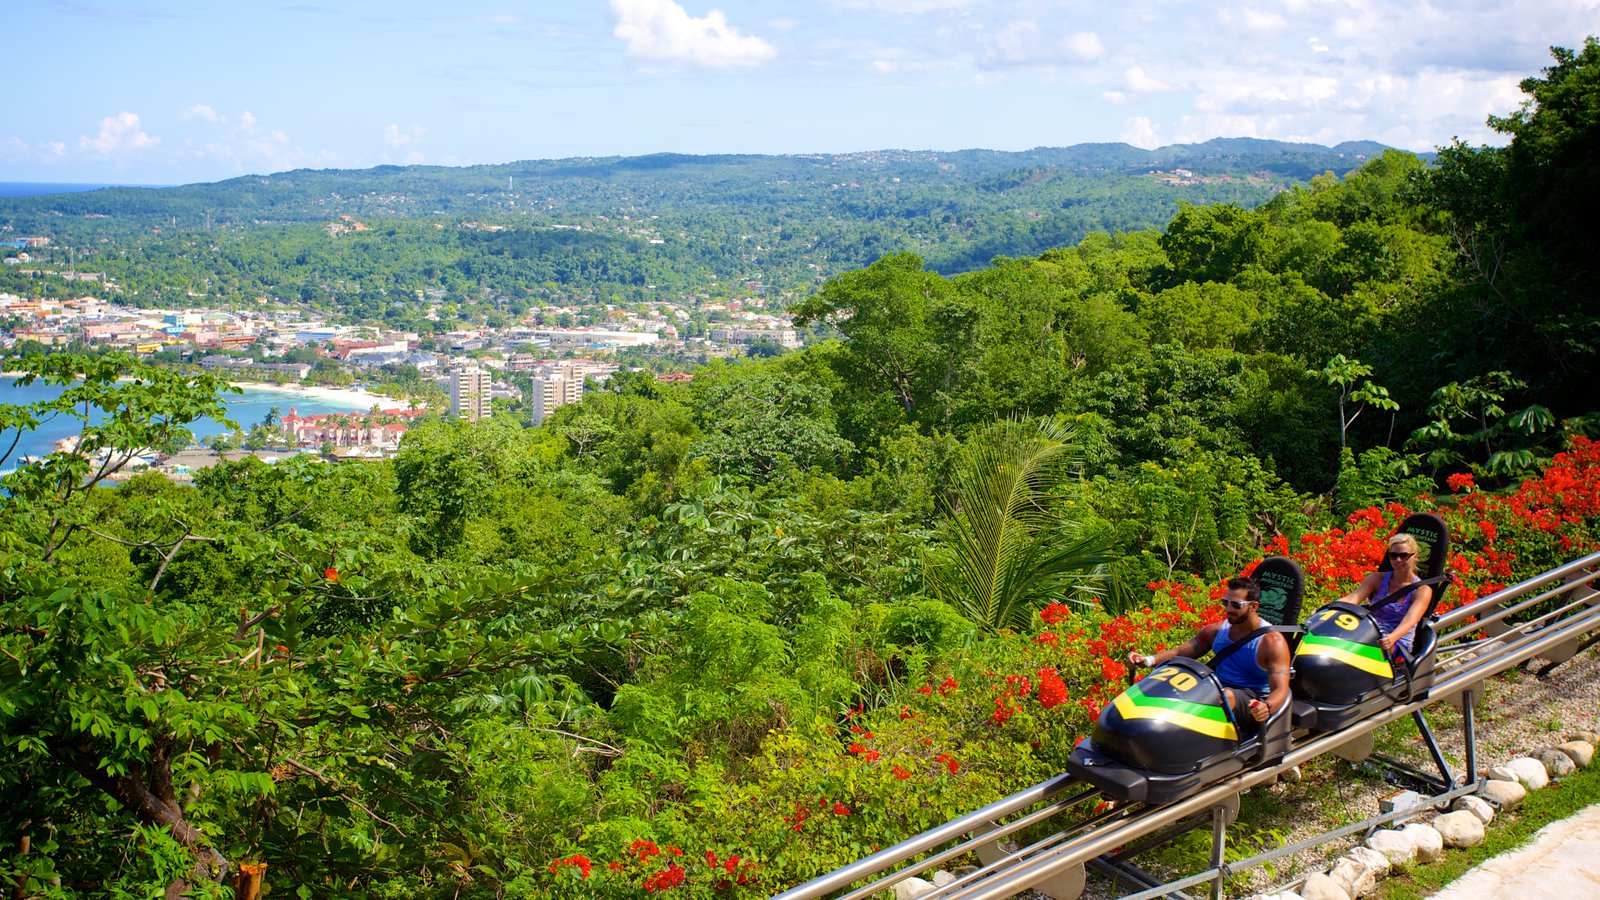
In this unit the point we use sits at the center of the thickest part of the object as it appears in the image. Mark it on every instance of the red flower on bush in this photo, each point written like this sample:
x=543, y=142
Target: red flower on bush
x=1054, y=612
x=1112, y=671
x=798, y=820
x=667, y=878
x=865, y=753
x=1052, y=690
x=1461, y=482
x=949, y=761
x=900, y=773
x=581, y=863
x=839, y=809
x=330, y=573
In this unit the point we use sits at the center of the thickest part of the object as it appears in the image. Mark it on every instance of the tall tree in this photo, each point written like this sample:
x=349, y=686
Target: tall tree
x=1520, y=216
x=907, y=329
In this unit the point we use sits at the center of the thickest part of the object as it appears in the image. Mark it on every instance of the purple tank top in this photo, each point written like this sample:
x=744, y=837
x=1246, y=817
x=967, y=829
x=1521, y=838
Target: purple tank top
x=1388, y=616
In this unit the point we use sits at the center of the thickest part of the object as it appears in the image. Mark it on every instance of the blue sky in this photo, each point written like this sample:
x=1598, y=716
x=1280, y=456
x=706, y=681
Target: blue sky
x=164, y=92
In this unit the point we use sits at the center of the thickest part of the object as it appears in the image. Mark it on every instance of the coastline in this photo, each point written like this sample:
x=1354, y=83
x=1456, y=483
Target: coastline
x=359, y=399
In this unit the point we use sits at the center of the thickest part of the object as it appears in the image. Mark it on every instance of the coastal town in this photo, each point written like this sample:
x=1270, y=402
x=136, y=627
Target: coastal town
x=529, y=367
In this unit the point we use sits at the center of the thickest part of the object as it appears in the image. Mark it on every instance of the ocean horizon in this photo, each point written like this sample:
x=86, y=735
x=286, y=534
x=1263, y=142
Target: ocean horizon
x=35, y=188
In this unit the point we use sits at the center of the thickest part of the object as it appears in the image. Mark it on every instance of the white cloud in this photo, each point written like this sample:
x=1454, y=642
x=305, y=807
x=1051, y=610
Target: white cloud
x=249, y=147
x=1024, y=43
x=1139, y=82
x=661, y=30
x=1115, y=98
x=1196, y=129
x=1261, y=22
x=1141, y=132
x=901, y=7
x=199, y=111
x=395, y=136
x=1084, y=45
x=118, y=135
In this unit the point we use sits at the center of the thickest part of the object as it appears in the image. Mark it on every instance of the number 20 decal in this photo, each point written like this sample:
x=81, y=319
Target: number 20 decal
x=1180, y=680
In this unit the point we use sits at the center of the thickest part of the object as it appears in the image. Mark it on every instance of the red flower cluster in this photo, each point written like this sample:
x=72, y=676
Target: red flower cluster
x=1112, y=671
x=576, y=861
x=731, y=865
x=666, y=879
x=798, y=818
x=1005, y=703
x=866, y=753
x=1052, y=690
x=950, y=762
x=1054, y=613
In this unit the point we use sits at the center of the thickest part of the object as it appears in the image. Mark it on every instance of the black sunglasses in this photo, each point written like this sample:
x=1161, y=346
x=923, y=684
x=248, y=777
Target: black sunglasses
x=1397, y=554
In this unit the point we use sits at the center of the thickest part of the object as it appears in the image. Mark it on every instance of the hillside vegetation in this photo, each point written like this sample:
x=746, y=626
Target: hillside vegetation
x=627, y=229
x=716, y=638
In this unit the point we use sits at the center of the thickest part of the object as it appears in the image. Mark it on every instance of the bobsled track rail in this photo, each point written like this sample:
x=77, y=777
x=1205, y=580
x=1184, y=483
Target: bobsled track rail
x=1556, y=615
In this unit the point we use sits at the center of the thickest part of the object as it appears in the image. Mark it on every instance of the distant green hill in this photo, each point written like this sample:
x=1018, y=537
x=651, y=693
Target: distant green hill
x=629, y=226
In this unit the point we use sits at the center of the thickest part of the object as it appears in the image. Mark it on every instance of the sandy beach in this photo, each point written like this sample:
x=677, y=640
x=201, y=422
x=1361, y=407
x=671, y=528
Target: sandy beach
x=357, y=398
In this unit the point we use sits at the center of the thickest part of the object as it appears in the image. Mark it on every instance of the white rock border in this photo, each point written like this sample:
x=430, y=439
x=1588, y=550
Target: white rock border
x=1357, y=872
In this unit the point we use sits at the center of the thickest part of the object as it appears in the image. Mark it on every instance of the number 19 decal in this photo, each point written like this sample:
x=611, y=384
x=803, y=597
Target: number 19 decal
x=1344, y=620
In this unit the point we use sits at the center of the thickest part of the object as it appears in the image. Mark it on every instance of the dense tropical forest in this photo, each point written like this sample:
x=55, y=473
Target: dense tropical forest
x=391, y=244
x=716, y=638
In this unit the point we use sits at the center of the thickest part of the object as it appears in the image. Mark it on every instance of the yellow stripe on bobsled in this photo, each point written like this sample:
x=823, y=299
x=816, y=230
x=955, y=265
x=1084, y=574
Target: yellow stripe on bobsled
x=1129, y=710
x=1313, y=646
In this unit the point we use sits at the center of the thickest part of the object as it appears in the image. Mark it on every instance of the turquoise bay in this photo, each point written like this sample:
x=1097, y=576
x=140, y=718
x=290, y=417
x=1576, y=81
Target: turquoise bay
x=246, y=409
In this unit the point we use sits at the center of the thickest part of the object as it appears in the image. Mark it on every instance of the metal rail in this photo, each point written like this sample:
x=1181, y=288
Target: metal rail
x=1464, y=659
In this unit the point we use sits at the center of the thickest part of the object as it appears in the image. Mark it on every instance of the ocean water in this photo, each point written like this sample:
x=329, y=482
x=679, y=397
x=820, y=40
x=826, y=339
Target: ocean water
x=32, y=188
x=246, y=409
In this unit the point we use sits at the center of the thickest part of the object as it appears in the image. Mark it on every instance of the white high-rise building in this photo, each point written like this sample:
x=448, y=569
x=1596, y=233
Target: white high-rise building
x=469, y=393
x=553, y=389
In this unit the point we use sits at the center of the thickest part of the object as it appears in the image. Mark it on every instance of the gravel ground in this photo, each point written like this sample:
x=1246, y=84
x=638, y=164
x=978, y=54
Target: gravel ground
x=1517, y=715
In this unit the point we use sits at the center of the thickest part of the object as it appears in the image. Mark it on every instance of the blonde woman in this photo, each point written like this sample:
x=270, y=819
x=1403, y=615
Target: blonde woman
x=1398, y=618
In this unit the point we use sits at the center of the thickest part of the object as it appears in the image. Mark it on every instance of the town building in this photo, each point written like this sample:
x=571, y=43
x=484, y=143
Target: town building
x=469, y=393
x=552, y=389
x=783, y=337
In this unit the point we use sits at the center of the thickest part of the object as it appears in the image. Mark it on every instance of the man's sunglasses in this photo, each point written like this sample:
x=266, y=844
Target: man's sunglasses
x=1236, y=604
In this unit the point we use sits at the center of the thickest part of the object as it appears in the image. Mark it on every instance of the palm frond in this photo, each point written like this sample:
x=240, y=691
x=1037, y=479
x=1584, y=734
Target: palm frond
x=1010, y=547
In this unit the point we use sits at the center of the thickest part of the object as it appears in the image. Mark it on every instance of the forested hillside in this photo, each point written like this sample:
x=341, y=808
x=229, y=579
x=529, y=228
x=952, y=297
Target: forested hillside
x=716, y=638
x=629, y=229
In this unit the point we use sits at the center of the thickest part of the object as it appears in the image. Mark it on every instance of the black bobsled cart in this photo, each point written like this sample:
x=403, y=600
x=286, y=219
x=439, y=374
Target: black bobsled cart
x=1173, y=733
x=1341, y=674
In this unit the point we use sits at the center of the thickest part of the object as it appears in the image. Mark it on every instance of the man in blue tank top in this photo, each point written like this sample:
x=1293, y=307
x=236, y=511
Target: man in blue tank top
x=1256, y=676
